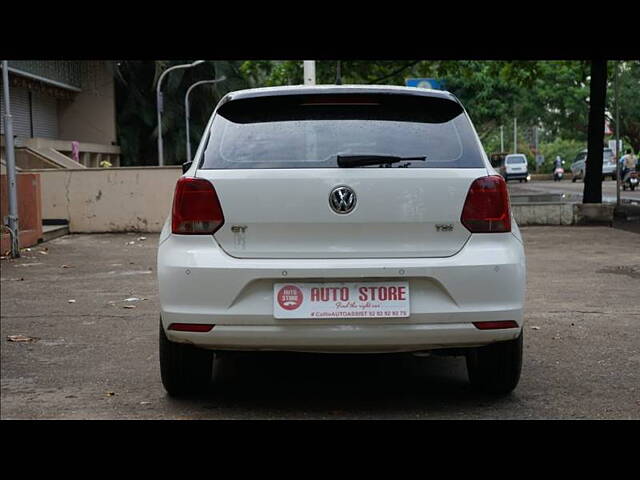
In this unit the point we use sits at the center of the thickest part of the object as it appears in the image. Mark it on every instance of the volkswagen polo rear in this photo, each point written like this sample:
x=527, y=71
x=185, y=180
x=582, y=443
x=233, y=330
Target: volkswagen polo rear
x=341, y=219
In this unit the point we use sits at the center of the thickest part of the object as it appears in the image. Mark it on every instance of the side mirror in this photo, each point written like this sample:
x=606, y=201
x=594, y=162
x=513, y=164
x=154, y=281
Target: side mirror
x=186, y=166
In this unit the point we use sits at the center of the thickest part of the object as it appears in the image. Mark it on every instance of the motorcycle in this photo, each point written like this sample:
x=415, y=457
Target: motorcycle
x=558, y=173
x=630, y=180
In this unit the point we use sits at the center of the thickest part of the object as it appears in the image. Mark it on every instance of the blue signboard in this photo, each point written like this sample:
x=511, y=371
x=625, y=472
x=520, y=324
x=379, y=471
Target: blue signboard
x=423, y=83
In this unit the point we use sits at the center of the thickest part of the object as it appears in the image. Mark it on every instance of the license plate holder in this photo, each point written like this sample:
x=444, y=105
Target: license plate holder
x=335, y=300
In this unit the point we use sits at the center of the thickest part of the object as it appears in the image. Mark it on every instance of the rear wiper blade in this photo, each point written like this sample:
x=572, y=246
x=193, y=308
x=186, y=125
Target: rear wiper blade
x=346, y=161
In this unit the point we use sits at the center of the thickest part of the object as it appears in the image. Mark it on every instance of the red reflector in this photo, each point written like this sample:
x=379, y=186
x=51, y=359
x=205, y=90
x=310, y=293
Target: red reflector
x=486, y=209
x=190, y=327
x=496, y=325
x=196, y=208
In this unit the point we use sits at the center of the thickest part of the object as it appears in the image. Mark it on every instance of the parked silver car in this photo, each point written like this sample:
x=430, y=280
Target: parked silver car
x=578, y=167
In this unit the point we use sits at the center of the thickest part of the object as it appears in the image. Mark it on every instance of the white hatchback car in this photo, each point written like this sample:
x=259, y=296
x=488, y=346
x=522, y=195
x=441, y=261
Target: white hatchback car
x=350, y=219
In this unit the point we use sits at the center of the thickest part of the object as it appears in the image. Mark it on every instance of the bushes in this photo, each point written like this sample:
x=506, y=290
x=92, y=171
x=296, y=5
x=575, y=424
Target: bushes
x=567, y=149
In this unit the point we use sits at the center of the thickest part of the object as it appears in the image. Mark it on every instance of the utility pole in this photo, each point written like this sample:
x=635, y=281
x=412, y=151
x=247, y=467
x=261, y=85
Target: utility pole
x=592, y=192
x=12, y=219
x=309, y=72
x=515, y=135
x=618, y=149
x=501, y=138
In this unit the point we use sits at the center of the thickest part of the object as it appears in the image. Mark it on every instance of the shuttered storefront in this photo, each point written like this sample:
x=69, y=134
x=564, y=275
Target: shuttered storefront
x=44, y=112
x=34, y=114
x=20, y=111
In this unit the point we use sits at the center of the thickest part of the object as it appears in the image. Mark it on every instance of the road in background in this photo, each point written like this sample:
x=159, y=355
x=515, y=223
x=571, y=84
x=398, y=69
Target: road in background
x=573, y=189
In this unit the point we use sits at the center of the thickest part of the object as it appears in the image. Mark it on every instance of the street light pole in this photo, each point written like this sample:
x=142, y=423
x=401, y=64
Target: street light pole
x=535, y=133
x=12, y=217
x=186, y=109
x=160, y=106
x=515, y=135
x=501, y=138
x=309, y=70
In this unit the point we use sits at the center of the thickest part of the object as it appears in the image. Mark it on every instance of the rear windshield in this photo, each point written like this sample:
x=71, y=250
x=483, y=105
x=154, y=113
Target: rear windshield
x=519, y=159
x=310, y=131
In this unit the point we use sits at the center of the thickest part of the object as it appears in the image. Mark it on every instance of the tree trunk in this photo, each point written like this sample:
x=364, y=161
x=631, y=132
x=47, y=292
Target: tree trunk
x=595, y=143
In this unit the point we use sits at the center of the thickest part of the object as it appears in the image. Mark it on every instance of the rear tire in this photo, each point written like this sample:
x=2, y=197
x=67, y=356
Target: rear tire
x=495, y=368
x=184, y=369
x=574, y=178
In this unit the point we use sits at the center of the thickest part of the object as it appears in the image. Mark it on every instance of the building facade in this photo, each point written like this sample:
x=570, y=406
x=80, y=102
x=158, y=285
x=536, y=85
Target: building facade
x=62, y=108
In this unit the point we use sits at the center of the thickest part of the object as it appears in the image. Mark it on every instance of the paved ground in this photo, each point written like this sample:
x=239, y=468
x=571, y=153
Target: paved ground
x=95, y=359
x=574, y=189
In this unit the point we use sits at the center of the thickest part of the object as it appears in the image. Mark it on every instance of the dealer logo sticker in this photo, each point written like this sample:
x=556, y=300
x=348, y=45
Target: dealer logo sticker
x=289, y=297
x=387, y=299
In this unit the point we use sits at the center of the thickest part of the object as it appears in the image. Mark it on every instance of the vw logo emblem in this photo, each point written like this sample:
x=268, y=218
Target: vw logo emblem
x=342, y=199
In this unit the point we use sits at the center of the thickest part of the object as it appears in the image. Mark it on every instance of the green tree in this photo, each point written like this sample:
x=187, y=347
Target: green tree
x=629, y=103
x=552, y=95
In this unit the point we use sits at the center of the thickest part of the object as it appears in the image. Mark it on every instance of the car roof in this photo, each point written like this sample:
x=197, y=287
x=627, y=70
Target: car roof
x=335, y=89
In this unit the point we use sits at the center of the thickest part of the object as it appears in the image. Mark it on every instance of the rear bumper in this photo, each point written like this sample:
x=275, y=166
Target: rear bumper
x=345, y=338
x=510, y=176
x=199, y=283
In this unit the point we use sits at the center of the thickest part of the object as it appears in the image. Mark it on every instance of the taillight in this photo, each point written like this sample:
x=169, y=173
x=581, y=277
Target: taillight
x=196, y=208
x=486, y=209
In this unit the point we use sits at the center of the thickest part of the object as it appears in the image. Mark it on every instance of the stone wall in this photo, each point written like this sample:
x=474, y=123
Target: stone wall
x=109, y=199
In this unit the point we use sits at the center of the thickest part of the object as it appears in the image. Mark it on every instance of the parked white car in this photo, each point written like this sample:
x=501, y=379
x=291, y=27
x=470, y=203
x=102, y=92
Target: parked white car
x=351, y=219
x=515, y=167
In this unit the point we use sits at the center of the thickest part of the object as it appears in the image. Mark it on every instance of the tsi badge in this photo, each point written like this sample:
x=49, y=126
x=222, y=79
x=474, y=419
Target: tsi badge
x=448, y=227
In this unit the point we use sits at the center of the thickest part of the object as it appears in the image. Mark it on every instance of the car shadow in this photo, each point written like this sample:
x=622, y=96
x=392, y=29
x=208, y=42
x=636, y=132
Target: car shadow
x=628, y=225
x=297, y=385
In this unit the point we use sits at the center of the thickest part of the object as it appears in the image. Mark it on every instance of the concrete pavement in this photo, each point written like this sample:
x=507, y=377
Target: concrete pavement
x=97, y=358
